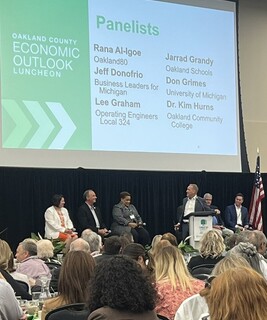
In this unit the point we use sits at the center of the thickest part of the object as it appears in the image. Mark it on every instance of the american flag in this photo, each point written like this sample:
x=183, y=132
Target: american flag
x=255, y=214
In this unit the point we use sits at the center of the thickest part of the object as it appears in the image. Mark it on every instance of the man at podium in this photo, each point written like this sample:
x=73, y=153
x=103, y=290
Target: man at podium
x=192, y=203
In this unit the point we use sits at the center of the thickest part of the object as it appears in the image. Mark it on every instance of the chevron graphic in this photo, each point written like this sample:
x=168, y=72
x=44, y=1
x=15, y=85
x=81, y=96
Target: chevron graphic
x=67, y=126
x=45, y=125
x=29, y=124
x=22, y=125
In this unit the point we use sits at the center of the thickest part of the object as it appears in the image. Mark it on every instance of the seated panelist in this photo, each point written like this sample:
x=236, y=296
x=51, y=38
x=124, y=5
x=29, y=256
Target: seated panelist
x=89, y=215
x=57, y=221
x=236, y=216
x=126, y=219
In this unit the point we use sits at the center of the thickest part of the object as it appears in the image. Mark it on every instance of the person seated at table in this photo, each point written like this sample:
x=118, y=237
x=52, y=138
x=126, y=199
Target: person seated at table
x=29, y=264
x=173, y=281
x=136, y=252
x=193, y=307
x=171, y=238
x=76, y=271
x=9, y=305
x=211, y=250
x=120, y=290
x=58, y=224
x=249, y=252
x=45, y=251
x=127, y=219
x=237, y=293
x=5, y=255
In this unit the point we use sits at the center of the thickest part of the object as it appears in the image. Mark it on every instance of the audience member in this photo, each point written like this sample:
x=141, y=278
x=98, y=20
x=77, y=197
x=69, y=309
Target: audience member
x=5, y=256
x=154, y=242
x=9, y=306
x=193, y=307
x=57, y=221
x=249, y=252
x=126, y=238
x=120, y=290
x=29, y=264
x=157, y=248
x=112, y=246
x=170, y=237
x=17, y=275
x=45, y=251
x=173, y=281
x=231, y=261
x=127, y=219
x=235, y=215
x=89, y=216
x=217, y=222
x=94, y=240
x=136, y=252
x=230, y=242
x=237, y=293
x=76, y=245
x=76, y=271
x=255, y=237
x=80, y=245
x=211, y=250
x=192, y=203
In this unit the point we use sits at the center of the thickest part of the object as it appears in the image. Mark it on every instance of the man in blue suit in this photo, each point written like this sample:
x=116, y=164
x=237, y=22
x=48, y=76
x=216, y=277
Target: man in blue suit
x=235, y=215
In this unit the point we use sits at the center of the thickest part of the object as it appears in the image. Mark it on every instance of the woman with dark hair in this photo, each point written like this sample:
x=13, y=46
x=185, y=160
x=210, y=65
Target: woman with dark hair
x=75, y=273
x=57, y=221
x=137, y=252
x=120, y=290
x=126, y=219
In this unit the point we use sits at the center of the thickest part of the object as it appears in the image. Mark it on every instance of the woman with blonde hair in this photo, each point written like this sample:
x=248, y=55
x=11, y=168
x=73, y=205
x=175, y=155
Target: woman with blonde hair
x=230, y=262
x=173, y=281
x=195, y=306
x=241, y=293
x=157, y=248
x=154, y=242
x=211, y=250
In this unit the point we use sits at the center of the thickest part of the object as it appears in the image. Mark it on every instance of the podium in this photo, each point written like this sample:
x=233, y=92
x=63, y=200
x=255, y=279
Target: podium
x=199, y=223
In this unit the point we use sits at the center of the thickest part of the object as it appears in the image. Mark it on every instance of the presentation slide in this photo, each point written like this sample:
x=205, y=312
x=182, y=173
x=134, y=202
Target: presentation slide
x=121, y=84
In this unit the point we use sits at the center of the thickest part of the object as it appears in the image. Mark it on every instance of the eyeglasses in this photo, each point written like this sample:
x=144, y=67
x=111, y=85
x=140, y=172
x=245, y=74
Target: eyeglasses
x=209, y=281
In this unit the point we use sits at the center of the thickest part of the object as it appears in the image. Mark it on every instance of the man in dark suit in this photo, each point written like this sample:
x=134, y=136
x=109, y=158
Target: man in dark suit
x=235, y=215
x=89, y=216
x=192, y=203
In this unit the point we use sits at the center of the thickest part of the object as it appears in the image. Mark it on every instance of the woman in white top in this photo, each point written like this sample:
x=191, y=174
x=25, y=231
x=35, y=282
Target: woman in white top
x=57, y=221
x=9, y=306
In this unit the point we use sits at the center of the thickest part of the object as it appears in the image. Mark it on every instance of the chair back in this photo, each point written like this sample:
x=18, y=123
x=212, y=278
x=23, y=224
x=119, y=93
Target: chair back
x=24, y=285
x=202, y=268
x=75, y=311
x=52, y=265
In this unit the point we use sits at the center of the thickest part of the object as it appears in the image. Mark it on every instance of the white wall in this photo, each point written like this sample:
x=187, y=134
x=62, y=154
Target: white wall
x=253, y=75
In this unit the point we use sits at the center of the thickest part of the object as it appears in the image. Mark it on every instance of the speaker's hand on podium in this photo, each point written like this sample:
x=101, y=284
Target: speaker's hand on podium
x=177, y=226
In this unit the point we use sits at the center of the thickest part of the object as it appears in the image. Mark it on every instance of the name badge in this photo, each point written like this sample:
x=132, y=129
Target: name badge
x=132, y=216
